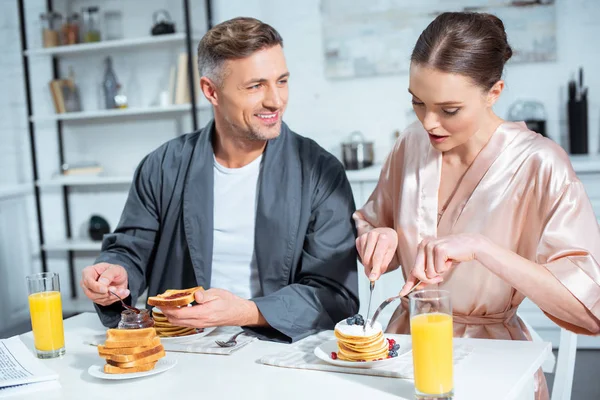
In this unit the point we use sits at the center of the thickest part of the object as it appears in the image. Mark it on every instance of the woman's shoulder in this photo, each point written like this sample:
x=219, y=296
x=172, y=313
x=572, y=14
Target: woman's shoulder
x=548, y=158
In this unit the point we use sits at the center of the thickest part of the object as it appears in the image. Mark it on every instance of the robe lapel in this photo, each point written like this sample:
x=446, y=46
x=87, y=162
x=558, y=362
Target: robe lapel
x=198, y=197
x=278, y=211
x=429, y=175
x=503, y=136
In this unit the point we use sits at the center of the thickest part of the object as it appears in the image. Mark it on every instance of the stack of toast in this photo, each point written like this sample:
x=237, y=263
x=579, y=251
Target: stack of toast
x=172, y=298
x=131, y=350
x=165, y=329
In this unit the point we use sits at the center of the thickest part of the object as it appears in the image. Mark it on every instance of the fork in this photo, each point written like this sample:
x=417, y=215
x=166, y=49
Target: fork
x=135, y=310
x=388, y=301
x=231, y=342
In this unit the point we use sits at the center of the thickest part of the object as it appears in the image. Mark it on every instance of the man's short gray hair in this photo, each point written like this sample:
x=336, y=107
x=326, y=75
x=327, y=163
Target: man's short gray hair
x=233, y=39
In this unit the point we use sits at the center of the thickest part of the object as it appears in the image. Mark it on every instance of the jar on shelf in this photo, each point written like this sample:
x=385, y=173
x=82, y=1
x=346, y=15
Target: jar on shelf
x=51, y=22
x=91, y=24
x=70, y=30
x=132, y=320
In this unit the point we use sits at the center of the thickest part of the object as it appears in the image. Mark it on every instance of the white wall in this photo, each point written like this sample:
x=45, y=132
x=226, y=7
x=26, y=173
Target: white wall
x=17, y=219
x=328, y=110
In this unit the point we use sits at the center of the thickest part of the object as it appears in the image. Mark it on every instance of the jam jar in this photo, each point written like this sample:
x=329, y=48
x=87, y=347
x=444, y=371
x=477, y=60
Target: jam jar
x=132, y=320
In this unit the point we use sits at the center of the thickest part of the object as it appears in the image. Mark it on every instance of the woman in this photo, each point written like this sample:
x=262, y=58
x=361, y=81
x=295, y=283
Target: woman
x=479, y=206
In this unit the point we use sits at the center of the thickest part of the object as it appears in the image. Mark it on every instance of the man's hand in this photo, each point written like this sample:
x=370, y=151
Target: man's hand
x=97, y=280
x=216, y=307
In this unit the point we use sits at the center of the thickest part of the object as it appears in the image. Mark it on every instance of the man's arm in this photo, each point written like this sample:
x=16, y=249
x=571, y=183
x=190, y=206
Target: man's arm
x=133, y=241
x=325, y=286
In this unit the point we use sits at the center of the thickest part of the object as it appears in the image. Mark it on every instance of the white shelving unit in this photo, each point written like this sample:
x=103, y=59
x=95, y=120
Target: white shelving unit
x=14, y=190
x=59, y=206
x=113, y=114
x=109, y=45
x=72, y=245
x=83, y=180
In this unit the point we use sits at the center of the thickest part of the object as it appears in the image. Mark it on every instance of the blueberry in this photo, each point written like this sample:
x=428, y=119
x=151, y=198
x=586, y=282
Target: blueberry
x=396, y=347
x=393, y=353
x=350, y=320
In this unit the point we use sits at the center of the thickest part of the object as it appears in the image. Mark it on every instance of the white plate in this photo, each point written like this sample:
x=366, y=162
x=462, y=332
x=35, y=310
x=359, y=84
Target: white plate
x=190, y=337
x=324, y=350
x=162, y=365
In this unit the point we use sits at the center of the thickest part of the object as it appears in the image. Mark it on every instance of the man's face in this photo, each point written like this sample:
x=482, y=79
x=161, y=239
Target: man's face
x=254, y=94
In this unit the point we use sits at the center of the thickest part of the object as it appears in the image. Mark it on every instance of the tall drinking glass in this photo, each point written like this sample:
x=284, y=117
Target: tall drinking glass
x=431, y=332
x=45, y=307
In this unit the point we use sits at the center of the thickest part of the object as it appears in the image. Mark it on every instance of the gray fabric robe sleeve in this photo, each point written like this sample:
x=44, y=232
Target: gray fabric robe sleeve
x=324, y=289
x=132, y=244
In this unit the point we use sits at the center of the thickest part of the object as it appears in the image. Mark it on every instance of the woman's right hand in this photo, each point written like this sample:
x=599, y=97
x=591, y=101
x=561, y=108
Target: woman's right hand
x=376, y=250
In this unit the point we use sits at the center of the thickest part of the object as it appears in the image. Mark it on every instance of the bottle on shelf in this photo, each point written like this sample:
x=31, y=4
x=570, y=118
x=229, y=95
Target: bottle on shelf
x=110, y=85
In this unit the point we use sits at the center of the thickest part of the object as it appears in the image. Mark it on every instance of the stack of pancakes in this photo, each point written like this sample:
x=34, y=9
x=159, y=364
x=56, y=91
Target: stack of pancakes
x=131, y=350
x=356, y=344
x=165, y=329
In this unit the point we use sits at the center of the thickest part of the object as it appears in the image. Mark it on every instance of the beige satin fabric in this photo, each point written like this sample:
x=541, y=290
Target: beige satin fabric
x=522, y=193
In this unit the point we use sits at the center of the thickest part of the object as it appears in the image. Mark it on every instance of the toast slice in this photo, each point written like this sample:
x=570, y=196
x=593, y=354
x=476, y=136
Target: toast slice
x=111, y=369
x=103, y=350
x=130, y=334
x=130, y=364
x=174, y=297
x=122, y=358
x=116, y=343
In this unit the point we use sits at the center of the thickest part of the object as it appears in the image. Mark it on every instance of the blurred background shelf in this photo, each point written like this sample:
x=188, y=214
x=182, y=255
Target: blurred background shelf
x=109, y=45
x=72, y=245
x=118, y=113
x=84, y=181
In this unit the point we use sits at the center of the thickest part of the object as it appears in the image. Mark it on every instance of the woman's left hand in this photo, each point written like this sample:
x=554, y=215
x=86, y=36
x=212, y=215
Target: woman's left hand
x=435, y=257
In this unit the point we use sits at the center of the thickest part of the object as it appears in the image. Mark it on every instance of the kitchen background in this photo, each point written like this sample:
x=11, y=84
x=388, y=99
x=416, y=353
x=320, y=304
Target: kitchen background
x=335, y=89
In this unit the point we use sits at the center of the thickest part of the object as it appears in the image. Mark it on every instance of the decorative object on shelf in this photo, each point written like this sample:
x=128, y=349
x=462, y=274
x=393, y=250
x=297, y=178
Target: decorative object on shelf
x=70, y=30
x=577, y=114
x=113, y=24
x=51, y=22
x=98, y=227
x=110, y=85
x=164, y=26
x=357, y=153
x=120, y=97
x=70, y=92
x=91, y=24
x=532, y=112
x=82, y=168
x=182, y=86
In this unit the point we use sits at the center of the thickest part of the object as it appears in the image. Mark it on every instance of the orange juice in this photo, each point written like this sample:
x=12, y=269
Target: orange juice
x=46, y=320
x=432, y=352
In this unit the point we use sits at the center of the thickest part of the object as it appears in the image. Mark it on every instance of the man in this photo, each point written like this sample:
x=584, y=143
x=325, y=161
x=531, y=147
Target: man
x=245, y=206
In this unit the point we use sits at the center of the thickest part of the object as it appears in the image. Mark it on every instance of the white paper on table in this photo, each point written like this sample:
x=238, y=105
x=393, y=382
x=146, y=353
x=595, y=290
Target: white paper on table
x=21, y=372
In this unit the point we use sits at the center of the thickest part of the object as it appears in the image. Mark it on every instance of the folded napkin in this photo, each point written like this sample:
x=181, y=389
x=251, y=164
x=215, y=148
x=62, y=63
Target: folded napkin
x=302, y=357
x=207, y=345
x=193, y=344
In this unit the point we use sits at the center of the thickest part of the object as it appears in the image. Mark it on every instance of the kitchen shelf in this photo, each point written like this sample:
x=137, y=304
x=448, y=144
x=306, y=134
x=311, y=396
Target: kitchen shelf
x=73, y=245
x=7, y=191
x=83, y=48
x=113, y=114
x=84, y=180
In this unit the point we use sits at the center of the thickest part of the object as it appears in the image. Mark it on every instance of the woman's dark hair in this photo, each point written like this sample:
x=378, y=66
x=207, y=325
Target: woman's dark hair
x=465, y=43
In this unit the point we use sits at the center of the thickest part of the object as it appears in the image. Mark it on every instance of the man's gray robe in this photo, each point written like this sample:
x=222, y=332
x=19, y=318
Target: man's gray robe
x=304, y=234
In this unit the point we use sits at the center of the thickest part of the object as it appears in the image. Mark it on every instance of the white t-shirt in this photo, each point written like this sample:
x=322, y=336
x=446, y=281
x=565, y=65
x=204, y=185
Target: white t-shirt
x=234, y=263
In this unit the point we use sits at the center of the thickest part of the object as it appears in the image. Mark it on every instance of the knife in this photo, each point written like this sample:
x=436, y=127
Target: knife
x=369, y=307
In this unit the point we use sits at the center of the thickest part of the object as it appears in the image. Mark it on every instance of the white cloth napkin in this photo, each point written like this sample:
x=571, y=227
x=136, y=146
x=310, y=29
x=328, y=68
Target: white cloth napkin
x=302, y=357
x=205, y=344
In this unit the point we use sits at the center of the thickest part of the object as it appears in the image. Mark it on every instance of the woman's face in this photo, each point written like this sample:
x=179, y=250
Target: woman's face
x=451, y=107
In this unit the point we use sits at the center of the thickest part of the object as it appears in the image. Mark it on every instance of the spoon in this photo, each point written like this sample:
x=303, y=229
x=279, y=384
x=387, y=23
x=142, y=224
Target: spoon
x=135, y=310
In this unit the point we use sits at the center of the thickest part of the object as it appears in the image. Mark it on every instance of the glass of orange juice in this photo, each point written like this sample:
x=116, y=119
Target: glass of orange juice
x=431, y=333
x=45, y=308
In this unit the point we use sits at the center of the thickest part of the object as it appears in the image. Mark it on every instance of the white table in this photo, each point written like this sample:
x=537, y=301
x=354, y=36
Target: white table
x=497, y=369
